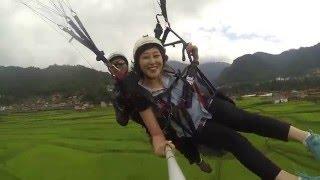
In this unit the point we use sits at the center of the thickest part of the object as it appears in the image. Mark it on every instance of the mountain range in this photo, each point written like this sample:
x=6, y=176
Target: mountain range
x=211, y=69
x=20, y=83
x=17, y=82
x=263, y=66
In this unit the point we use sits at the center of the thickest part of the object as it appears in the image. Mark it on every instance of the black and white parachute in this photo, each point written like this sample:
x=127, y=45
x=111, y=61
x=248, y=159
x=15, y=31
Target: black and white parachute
x=61, y=14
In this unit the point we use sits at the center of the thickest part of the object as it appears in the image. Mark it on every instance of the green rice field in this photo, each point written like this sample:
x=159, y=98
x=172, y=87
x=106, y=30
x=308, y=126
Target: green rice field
x=65, y=144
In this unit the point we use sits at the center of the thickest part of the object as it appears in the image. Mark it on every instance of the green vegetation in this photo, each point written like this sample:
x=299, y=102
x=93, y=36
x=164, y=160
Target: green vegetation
x=18, y=84
x=90, y=145
x=259, y=67
x=300, y=84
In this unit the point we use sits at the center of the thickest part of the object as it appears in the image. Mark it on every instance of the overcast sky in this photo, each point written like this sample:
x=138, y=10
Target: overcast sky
x=222, y=29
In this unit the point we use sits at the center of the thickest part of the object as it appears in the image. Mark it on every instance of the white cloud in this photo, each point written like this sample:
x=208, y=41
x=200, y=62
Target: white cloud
x=223, y=29
x=231, y=28
x=264, y=17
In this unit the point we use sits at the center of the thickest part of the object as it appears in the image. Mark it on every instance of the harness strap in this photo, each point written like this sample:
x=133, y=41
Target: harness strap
x=179, y=113
x=176, y=112
x=178, y=120
x=189, y=120
x=200, y=96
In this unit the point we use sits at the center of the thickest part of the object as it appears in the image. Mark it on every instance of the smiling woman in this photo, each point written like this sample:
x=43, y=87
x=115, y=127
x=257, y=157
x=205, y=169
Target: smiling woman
x=214, y=122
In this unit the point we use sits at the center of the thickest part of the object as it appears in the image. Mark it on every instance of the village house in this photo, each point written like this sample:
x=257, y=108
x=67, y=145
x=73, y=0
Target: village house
x=103, y=104
x=279, y=98
x=266, y=95
x=2, y=108
x=56, y=98
x=316, y=72
x=296, y=95
x=249, y=95
x=282, y=78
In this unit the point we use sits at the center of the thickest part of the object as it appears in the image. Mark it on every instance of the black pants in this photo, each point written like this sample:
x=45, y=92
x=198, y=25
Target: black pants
x=221, y=133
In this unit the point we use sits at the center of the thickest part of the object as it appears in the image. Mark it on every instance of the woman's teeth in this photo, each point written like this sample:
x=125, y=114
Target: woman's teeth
x=152, y=68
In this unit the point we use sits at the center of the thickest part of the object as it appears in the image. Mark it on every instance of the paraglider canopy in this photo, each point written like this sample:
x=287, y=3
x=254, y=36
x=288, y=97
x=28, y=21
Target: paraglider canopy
x=61, y=14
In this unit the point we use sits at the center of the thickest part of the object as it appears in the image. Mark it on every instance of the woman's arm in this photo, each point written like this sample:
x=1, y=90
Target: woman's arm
x=159, y=142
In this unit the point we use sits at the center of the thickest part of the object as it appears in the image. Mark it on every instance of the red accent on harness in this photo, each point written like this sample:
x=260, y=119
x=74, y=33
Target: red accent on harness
x=201, y=97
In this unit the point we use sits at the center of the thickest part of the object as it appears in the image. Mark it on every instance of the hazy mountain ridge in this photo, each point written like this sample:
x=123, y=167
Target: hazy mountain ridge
x=263, y=66
x=17, y=82
x=20, y=82
x=211, y=69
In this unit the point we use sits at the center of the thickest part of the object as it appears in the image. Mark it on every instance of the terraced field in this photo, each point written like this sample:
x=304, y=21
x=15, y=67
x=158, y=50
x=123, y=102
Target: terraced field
x=90, y=145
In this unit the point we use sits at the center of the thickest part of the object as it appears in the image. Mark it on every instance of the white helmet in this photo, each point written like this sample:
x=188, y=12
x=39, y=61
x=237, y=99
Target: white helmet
x=115, y=55
x=144, y=41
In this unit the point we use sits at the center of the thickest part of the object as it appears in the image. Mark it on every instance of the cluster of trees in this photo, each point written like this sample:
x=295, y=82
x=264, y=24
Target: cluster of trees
x=273, y=85
x=263, y=67
x=248, y=73
x=18, y=83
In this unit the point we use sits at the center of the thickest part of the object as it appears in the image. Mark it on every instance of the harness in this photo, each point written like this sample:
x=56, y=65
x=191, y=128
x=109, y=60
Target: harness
x=168, y=113
x=178, y=113
x=191, y=72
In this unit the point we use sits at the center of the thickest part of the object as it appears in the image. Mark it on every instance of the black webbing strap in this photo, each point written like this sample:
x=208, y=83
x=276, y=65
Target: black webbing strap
x=174, y=114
